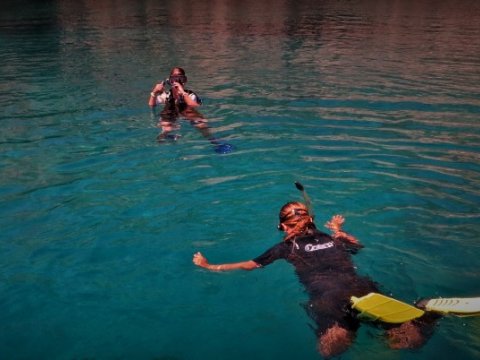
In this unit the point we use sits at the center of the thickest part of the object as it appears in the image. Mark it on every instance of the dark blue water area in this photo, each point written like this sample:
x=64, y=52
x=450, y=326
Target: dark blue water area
x=372, y=105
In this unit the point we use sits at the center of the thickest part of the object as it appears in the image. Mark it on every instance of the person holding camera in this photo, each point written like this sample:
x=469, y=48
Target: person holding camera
x=177, y=95
x=178, y=101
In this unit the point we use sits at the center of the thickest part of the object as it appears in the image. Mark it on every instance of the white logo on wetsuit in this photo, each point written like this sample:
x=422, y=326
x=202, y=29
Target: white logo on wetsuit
x=310, y=247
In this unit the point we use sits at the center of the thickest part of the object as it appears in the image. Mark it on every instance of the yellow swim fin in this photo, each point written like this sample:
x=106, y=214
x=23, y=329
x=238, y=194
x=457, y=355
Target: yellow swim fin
x=380, y=307
x=455, y=306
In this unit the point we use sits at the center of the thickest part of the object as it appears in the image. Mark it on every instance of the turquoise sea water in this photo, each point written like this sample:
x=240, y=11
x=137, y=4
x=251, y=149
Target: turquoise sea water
x=374, y=106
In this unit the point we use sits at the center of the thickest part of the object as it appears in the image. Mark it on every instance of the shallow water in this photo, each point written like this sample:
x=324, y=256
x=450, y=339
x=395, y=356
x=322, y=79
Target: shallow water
x=374, y=106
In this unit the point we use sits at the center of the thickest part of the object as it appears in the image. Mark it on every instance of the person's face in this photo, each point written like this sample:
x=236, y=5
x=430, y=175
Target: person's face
x=177, y=76
x=288, y=231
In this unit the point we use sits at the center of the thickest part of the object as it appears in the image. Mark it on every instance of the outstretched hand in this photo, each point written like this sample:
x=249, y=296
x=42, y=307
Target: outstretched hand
x=200, y=260
x=335, y=223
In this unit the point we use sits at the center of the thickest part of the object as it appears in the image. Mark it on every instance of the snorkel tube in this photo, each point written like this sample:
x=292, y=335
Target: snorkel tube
x=308, y=202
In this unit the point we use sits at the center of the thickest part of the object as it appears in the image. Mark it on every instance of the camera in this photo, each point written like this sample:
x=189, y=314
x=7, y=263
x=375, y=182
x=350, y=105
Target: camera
x=182, y=79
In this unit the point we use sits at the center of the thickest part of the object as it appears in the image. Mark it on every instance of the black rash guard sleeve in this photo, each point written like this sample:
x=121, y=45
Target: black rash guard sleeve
x=279, y=251
x=352, y=248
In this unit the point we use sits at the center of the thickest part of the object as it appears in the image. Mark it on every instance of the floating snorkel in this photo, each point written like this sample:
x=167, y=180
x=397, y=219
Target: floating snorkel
x=308, y=202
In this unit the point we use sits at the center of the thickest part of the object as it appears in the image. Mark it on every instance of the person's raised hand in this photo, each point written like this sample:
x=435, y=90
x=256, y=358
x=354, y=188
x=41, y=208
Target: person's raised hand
x=178, y=86
x=335, y=223
x=158, y=88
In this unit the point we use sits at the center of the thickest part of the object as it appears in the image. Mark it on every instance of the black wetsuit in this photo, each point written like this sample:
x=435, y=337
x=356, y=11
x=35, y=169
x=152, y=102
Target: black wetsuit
x=173, y=108
x=324, y=266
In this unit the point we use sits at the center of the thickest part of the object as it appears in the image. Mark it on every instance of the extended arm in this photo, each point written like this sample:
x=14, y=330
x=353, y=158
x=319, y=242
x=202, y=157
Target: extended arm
x=335, y=225
x=200, y=260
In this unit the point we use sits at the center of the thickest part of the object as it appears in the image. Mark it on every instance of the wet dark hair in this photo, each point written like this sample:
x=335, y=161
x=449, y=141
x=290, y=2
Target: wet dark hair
x=177, y=69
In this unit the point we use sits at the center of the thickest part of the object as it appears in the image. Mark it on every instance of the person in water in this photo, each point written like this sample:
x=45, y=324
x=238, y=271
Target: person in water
x=324, y=266
x=178, y=101
x=177, y=95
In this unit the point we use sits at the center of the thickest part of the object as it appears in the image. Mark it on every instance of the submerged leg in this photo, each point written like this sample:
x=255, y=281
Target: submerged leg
x=167, y=127
x=334, y=341
x=405, y=336
x=412, y=334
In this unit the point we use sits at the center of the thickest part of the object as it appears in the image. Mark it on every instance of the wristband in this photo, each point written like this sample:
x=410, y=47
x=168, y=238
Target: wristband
x=152, y=94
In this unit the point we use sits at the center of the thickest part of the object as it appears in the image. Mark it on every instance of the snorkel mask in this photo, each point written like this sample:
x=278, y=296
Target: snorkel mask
x=182, y=79
x=299, y=211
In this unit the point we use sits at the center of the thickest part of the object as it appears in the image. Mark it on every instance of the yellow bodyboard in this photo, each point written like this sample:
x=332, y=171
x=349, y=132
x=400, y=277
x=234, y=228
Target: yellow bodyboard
x=455, y=306
x=380, y=307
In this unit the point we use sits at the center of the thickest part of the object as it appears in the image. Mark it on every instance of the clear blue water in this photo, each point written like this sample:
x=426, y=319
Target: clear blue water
x=373, y=105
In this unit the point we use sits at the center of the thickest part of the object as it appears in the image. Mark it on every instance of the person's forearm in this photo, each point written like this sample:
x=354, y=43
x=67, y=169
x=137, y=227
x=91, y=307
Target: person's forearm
x=152, y=100
x=244, y=265
x=189, y=101
x=340, y=234
x=157, y=90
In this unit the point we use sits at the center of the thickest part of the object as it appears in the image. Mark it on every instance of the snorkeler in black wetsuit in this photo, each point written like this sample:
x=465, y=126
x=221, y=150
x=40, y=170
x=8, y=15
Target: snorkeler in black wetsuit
x=181, y=102
x=178, y=101
x=324, y=266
